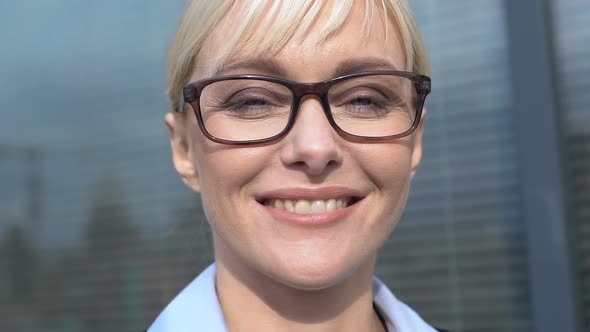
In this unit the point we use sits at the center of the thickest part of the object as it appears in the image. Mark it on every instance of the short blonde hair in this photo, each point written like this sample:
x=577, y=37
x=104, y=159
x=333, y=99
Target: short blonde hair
x=283, y=18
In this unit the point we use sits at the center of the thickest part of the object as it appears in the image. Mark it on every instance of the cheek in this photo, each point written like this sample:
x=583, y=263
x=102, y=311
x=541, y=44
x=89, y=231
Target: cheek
x=230, y=170
x=222, y=176
x=225, y=173
x=223, y=168
x=388, y=166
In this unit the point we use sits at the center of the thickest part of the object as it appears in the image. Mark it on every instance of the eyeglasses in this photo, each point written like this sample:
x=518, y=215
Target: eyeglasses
x=253, y=109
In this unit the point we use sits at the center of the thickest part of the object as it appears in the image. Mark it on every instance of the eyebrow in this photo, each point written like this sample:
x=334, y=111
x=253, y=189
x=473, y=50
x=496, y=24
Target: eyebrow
x=352, y=66
x=267, y=66
x=270, y=66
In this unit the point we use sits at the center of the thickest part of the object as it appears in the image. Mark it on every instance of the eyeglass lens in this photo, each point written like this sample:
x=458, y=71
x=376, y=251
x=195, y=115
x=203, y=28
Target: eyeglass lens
x=250, y=109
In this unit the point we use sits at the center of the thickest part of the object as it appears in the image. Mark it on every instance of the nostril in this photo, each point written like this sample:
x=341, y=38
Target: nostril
x=312, y=145
x=332, y=163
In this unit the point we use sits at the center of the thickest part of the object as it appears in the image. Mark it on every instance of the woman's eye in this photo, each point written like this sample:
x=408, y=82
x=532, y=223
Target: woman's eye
x=368, y=105
x=362, y=101
x=252, y=102
x=245, y=103
x=252, y=107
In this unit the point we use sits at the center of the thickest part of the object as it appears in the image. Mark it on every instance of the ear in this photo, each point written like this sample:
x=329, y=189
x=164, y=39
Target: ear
x=181, y=153
x=417, y=152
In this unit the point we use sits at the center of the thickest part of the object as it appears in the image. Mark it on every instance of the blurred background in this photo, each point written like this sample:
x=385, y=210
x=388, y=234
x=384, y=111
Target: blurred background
x=97, y=233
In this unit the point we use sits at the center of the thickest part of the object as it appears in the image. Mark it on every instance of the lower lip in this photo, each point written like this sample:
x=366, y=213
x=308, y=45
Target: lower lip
x=312, y=219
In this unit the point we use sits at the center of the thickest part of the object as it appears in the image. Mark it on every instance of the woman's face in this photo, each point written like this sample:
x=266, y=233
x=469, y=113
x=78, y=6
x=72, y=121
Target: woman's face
x=309, y=167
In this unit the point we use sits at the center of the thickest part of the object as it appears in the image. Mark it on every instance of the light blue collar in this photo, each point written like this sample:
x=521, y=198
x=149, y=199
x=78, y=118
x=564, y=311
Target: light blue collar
x=197, y=308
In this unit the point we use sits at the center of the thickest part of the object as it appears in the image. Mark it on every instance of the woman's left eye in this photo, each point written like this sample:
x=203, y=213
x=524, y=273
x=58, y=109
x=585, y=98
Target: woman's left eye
x=365, y=103
x=362, y=101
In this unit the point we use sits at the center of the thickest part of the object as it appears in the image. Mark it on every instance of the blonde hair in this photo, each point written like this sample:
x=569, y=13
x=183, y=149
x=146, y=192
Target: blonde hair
x=281, y=18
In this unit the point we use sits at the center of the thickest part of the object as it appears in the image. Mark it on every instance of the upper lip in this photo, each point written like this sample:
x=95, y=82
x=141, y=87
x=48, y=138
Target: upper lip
x=301, y=193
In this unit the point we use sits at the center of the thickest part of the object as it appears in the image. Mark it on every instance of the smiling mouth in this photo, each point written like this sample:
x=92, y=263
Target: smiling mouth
x=303, y=206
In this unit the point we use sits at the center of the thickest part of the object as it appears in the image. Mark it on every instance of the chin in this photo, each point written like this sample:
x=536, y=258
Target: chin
x=310, y=279
x=312, y=272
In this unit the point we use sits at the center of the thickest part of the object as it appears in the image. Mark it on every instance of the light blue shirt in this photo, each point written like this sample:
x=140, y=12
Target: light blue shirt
x=197, y=308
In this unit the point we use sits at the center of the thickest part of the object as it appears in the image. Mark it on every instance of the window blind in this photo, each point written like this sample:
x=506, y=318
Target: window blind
x=458, y=256
x=572, y=54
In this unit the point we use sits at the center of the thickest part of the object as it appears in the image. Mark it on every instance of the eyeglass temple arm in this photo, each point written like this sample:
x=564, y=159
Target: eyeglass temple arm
x=188, y=95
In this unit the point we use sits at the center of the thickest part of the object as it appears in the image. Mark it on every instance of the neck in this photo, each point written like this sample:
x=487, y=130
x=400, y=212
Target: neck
x=252, y=301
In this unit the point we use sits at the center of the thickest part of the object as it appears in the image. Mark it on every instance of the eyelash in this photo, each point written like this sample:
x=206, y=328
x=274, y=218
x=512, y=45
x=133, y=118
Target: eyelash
x=247, y=106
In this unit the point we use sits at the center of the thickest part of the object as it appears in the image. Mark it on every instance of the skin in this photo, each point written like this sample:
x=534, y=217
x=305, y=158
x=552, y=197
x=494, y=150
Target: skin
x=278, y=276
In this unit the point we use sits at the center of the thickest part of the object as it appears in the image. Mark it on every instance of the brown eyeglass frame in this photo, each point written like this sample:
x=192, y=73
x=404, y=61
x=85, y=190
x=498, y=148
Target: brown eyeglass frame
x=192, y=93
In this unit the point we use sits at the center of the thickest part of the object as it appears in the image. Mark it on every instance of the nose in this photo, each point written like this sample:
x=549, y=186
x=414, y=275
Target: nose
x=312, y=144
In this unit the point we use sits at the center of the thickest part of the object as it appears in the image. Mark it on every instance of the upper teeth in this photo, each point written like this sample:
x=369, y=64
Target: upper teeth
x=304, y=206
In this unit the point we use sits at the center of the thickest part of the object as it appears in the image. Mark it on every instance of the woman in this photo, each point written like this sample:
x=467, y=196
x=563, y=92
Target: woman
x=301, y=182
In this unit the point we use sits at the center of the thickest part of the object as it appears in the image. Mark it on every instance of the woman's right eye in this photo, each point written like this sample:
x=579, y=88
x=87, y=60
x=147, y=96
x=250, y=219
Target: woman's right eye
x=247, y=104
x=252, y=107
x=252, y=102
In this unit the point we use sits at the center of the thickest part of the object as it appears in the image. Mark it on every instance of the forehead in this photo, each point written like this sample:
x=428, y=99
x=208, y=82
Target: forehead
x=307, y=45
